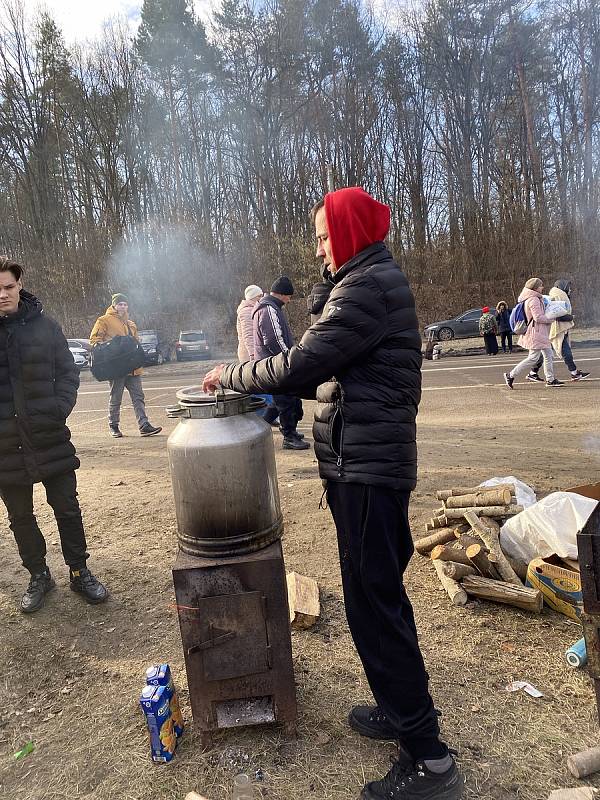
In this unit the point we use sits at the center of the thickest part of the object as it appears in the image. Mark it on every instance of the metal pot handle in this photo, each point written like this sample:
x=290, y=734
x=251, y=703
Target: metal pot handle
x=177, y=411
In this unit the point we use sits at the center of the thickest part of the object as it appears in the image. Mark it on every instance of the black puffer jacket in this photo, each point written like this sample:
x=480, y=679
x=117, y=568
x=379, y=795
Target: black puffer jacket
x=38, y=389
x=368, y=337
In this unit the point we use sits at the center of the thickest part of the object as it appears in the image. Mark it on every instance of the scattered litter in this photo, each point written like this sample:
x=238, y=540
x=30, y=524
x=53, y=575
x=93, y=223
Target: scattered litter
x=25, y=750
x=111, y=630
x=528, y=688
x=576, y=655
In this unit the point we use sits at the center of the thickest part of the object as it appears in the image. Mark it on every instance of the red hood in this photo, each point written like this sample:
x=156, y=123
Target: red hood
x=354, y=220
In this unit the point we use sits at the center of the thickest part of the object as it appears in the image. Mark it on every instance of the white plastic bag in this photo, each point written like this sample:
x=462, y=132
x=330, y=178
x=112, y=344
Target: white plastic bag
x=554, y=309
x=524, y=493
x=550, y=526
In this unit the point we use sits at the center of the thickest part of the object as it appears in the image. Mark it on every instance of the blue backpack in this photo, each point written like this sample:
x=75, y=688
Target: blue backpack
x=518, y=319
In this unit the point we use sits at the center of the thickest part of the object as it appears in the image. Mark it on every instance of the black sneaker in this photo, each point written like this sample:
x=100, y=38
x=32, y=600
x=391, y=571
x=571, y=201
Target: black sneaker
x=149, y=430
x=508, y=380
x=114, y=431
x=39, y=586
x=295, y=434
x=579, y=375
x=371, y=721
x=413, y=781
x=82, y=581
x=554, y=383
x=534, y=378
x=292, y=443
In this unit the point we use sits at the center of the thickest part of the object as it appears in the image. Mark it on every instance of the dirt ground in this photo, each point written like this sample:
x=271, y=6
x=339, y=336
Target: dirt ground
x=72, y=673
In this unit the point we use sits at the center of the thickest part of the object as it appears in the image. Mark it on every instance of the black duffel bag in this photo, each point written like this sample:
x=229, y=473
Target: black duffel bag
x=116, y=358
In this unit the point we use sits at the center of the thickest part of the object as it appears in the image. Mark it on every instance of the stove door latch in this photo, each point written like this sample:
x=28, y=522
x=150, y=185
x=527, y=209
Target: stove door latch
x=217, y=637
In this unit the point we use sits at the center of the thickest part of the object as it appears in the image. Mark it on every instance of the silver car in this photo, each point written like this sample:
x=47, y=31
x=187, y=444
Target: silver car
x=79, y=353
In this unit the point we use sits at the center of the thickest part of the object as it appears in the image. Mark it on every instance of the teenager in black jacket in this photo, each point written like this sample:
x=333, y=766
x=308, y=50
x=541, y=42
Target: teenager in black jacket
x=362, y=362
x=38, y=389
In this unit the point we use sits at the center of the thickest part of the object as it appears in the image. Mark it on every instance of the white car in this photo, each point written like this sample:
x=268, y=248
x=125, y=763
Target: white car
x=79, y=353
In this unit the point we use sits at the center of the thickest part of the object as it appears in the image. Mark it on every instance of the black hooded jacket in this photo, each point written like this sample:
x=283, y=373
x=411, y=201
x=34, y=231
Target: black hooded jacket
x=38, y=389
x=368, y=338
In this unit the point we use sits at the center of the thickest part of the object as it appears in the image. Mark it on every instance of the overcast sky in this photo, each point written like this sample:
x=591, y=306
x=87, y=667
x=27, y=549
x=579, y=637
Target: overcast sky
x=83, y=19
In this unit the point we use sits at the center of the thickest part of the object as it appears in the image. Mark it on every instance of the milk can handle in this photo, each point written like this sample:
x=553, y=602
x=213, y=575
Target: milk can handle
x=177, y=411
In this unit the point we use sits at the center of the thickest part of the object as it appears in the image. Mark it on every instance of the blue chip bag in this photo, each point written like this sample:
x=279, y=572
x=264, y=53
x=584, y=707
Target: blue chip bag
x=160, y=675
x=155, y=705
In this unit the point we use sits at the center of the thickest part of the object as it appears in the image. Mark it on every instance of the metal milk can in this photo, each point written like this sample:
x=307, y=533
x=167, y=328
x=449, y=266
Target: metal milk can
x=222, y=464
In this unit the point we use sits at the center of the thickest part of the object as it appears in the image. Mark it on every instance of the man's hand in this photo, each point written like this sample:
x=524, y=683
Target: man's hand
x=212, y=379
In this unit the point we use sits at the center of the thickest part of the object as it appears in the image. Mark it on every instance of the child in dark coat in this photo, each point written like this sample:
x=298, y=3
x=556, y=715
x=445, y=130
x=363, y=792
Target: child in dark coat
x=504, y=329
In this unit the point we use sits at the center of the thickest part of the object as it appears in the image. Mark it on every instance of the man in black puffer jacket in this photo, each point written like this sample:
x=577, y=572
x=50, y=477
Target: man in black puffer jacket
x=38, y=389
x=365, y=440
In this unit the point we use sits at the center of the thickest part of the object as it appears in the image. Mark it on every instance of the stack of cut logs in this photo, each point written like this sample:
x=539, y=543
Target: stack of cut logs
x=463, y=543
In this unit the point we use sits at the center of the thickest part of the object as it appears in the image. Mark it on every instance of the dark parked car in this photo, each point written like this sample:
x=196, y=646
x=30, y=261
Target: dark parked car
x=465, y=326
x=192, y=344
x=157, y=350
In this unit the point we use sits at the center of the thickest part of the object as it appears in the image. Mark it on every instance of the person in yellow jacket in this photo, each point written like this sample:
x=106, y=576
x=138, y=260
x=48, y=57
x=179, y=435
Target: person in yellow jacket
x=115, y=322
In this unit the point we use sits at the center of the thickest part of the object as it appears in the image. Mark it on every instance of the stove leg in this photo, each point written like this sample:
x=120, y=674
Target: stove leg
x=206, y=740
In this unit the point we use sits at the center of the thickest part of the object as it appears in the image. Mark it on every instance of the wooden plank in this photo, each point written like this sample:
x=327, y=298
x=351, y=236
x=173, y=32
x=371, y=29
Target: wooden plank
x=303, y=600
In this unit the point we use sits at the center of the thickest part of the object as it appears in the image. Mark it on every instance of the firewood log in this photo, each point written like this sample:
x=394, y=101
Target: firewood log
x=484, y=511
x=490, y=523
x=499, y=497
x=519, y=567
x=434, y=523
x=443, y=521
x=455, y=592
x=492, y=542
x=444, y=494
x=466, y=540
x=519, y=596
x=444, y=552
x=584, y=763
x=457, y=571
x=441, y=536
x=477, y=556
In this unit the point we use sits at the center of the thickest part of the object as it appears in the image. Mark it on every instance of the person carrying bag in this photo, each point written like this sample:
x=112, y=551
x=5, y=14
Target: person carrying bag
x=119, y=360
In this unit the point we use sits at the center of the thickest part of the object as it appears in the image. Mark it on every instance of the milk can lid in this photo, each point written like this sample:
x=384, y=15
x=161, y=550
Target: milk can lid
x=193, y=395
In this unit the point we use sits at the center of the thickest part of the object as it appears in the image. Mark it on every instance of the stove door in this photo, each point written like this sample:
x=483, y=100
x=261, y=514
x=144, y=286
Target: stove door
x=231, y=636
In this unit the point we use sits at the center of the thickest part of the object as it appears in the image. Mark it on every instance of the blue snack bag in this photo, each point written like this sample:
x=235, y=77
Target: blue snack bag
x=155, y=705
x=160, y=675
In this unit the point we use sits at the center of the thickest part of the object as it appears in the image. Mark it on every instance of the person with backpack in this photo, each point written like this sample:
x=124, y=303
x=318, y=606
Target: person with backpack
x=529, y=320
x=115, y=322
x=559, y=334
x=504, y=329
x=488, y=329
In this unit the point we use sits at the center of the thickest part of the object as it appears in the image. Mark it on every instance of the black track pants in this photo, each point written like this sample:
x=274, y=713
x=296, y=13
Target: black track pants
x=375, y=547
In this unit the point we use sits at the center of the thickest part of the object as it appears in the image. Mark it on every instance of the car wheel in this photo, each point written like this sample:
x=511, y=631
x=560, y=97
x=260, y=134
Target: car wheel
x=445, y=334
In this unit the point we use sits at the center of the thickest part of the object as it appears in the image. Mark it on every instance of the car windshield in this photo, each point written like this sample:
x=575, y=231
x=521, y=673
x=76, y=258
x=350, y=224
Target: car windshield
x=471, y=315
x=148, y=338
x=72, y=343
x=192, y=336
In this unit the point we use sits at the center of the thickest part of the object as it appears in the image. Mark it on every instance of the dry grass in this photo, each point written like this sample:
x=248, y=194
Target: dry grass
x=71, y=675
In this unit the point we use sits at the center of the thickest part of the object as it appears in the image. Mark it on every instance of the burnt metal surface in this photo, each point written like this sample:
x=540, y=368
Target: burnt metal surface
x=234, y=622
x=588, y=545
